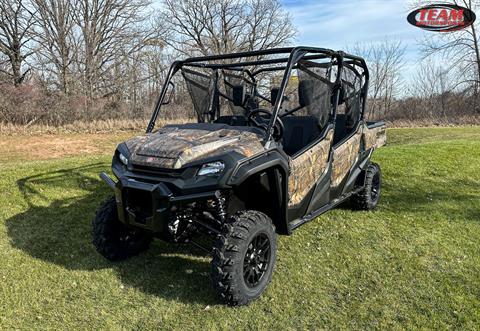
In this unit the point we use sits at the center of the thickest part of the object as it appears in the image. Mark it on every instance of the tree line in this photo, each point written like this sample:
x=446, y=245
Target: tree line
x=62, y=60
x=69, y=60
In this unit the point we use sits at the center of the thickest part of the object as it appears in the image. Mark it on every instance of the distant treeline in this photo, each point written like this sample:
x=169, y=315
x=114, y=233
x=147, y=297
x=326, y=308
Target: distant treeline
x=64, y=61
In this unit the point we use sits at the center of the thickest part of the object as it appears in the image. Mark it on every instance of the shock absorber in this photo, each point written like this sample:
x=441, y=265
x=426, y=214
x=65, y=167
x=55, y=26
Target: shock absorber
x=220, y=205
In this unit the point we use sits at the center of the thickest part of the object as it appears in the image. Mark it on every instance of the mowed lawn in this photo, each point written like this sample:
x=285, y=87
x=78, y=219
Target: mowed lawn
x=413, y=263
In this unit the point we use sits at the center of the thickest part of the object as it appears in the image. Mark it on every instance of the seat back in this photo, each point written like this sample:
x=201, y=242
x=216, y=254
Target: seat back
x=340, y=128
x=299, y=132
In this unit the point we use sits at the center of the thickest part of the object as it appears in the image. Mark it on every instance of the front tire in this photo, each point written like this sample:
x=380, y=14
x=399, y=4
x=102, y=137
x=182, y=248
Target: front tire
x=244, y=257
x=368, y=197
x=113, y=239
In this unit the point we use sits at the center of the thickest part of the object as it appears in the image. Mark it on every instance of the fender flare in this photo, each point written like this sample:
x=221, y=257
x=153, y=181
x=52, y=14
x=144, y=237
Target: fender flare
x=275, y=163
x=251, y=166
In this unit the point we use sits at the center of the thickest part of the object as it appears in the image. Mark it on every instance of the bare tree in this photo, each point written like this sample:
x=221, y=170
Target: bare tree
x=432, y=86
x=222, y=26
x=16, y=26
x=56, y=39
x=462, y=50
x=385, y=62
x=461, y=47
x=111, y=30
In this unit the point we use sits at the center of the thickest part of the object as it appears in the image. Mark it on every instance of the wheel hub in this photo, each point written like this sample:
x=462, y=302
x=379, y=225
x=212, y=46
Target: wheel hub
x=375, y=187
x=257, y=259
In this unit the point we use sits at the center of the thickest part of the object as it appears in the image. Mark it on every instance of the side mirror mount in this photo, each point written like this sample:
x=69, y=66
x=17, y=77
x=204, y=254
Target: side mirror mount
x=169, y=94
x=238, y=95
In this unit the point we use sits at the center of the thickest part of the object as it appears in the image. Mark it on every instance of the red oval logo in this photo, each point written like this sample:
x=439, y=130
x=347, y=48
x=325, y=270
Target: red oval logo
x=442, y=17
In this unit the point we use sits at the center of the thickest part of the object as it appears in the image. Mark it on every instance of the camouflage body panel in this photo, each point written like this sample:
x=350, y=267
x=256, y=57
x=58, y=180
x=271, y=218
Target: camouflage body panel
x=344, y=157
x=172, y=148
x=374, y=137
x=307, y=168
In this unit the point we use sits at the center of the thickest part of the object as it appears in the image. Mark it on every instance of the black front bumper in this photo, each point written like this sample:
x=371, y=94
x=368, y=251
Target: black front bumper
x=148, y=205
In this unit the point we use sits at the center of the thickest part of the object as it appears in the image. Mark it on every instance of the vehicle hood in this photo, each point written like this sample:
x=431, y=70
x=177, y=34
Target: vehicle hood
x=173, y=147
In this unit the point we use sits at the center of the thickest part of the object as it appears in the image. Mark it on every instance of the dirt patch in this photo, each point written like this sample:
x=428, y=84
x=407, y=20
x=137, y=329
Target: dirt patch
x=43, y=147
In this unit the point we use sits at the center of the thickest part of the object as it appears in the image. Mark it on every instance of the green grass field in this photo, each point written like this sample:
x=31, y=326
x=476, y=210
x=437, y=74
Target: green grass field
x=413, y=263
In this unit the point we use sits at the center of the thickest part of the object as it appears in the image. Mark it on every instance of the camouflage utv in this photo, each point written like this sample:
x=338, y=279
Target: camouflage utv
x=279, y=138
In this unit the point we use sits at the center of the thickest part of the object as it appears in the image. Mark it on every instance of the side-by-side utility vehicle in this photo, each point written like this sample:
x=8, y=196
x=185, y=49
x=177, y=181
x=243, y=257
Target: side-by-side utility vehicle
x=279, y=137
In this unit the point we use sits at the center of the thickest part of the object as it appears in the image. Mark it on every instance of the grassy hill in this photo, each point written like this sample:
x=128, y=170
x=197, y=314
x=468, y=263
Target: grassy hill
x=415, y=262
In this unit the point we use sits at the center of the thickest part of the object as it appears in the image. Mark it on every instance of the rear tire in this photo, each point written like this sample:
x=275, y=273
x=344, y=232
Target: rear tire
x=244, y=257
x=368, y=197
x=113, y=239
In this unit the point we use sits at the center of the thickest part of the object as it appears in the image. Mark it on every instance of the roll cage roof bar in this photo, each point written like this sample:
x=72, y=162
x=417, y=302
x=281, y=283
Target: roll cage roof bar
x=295, y=54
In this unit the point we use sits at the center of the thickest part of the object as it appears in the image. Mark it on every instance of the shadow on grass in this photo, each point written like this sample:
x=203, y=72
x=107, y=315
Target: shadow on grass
x=61, y=204
x=57, y=230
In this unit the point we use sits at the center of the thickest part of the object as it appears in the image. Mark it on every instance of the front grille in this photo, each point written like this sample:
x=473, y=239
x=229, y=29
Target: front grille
x=157, y=171
x=139, y=203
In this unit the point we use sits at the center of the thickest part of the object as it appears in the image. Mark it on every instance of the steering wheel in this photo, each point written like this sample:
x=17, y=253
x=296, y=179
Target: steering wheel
x=260, y=118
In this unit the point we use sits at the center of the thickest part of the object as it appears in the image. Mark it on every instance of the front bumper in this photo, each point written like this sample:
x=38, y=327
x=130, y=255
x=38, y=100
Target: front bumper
x=148, y=205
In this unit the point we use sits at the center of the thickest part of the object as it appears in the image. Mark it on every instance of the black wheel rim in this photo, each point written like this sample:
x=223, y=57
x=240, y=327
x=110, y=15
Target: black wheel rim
x=257, y=259
x=128, y=236
x=375, y=191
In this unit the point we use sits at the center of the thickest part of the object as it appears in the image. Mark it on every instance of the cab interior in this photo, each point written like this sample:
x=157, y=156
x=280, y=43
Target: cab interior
x=226, y=96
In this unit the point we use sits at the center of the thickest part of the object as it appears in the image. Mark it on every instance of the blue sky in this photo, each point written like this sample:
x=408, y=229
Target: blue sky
x=342, y=23
x=334, y=24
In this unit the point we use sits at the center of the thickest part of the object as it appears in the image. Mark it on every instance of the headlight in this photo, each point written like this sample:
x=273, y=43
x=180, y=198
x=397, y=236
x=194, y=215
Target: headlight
x=211, y=169
x=123, y=158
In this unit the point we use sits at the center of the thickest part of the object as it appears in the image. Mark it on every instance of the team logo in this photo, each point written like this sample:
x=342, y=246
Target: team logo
x=441, y=17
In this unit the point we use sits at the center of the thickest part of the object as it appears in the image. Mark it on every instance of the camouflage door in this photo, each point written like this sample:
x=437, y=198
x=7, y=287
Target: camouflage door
x=345, y=155
x=346, y=152
x=307, y=168
x=314, y=87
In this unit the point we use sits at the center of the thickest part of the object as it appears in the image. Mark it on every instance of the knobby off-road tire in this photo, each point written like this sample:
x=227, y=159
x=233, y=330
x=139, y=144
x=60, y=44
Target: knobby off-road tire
x=244, y=257
x=367, y=199
x=113, y=239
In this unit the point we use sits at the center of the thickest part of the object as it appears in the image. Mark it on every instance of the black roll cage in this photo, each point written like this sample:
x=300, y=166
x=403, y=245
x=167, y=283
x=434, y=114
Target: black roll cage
x=295, y=54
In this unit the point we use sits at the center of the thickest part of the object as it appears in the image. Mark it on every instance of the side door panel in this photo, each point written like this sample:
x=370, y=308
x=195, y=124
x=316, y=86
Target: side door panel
x=307, y=168
x=344, y=157
x=374, y=137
